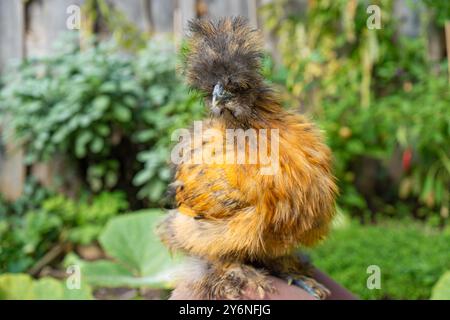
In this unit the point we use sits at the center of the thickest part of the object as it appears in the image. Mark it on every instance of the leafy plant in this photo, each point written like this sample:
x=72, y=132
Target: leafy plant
x=125, y=32
x=82, y=221
x=32, y=195
x=139, y=258
x=374, y=95
x=57, y=221
x=173, y=107
x=420, y=122
x=441, y=9
x=23, y=287
x=112, y=114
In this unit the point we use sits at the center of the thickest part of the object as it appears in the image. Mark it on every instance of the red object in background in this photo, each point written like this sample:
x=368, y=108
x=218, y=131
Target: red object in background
x=406, y=159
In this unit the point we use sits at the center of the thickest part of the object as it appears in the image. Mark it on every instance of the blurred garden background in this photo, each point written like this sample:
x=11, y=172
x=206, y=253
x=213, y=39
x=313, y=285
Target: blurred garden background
x=91, y=91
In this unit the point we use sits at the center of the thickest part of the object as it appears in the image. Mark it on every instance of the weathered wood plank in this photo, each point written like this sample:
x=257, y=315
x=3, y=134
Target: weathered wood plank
x=253, y=6
x=137, y=11
x=271, y=39
x=12, y=170
x=11, y=32
x=47, y=22
x=219, y=8
x=185, y=10
x=163, y=15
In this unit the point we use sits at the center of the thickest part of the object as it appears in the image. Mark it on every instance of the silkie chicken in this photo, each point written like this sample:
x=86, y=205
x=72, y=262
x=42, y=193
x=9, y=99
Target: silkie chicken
x=238, y=224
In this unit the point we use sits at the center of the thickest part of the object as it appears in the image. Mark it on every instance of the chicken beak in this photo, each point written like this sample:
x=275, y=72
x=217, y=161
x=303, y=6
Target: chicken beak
x=214, y=102
x=217, y=96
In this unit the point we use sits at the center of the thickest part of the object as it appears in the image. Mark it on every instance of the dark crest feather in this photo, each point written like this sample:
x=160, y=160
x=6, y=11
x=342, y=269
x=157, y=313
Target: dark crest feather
x=226, y=50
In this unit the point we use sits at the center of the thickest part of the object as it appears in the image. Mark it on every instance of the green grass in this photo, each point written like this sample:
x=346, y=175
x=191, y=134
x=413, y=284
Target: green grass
x=411, y=258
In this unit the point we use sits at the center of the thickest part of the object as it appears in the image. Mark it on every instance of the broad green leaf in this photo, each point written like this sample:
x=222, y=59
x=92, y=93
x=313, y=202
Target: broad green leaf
x=122, y=113
x=131, y=239
x=80, y=145
x=105, y=273
x=156, y=189
x=441, y=290
x=83, y=293
x=165, y=174
x=143, y=176
x=16, y=287
x=101, y=103
x=97, y=145
x=48, y=289
x=19, y=286
x=108, y=87
x=103, y=129
x=111, y=178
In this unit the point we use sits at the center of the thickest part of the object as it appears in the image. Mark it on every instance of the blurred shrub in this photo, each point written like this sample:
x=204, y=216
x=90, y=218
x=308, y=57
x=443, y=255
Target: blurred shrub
x=420, y=122
x=411, y=258
x=441, y=9
x=82, y=221
x=103, y=109
x=104, y=15
x=23, y=287
x=31, y=198
x=58, y=220
x=384, y=113
x=407, y=133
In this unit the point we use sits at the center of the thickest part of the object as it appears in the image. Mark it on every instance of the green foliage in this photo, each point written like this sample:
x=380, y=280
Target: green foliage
x=104, y=110
x=23, y=287
x=125, y=32
x=416, y=121
x=27, y=238
x=411, y=258
x=441, y=290
x=441, y=9
x=140, y=259
x=81, y=220
x=420, y=121
x=374, y=95
x=31, y=198
x=173, y=107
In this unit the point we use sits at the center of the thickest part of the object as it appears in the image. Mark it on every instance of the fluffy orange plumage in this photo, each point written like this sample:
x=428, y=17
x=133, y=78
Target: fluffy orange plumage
x=240, y=224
